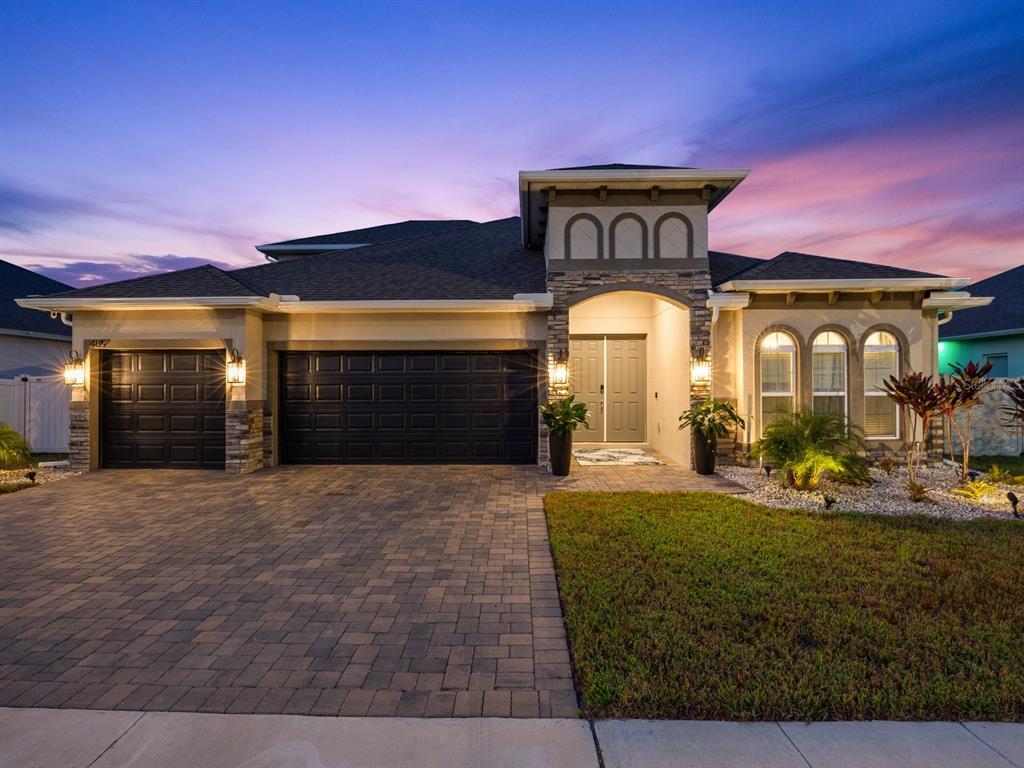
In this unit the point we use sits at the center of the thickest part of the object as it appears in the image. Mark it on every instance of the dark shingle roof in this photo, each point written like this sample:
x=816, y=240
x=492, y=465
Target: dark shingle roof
x=482, y=261
x=724, y=265
x=625, y=167
x=206, y=280
x=385, y=233
x=18, y=283
x=805, y=266
x=1005, y=313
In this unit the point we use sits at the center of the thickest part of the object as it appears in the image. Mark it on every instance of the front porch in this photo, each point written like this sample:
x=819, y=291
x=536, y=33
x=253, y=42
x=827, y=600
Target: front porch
x=624, y=478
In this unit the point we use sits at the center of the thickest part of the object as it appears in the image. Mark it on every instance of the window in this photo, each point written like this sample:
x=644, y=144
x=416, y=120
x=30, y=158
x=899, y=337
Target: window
x=778, y=377
x=881, y=360
x=1000, y=365
x=828, y=373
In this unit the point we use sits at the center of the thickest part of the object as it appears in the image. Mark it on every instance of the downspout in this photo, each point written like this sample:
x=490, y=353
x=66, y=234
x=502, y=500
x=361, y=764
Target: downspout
x=64, y=318
x=946, y=317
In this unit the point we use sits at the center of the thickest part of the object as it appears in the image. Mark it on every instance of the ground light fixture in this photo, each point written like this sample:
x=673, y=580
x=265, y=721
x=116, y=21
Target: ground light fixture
x=74, y=370
x=236, y=368
x=1012, y=497
x=560, y=373
x=700, y=366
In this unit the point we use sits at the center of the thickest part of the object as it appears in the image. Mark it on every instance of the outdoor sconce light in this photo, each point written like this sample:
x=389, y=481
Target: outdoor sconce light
x=74, y=370
x=700, y=366
x=236, y=368
x=560, y=373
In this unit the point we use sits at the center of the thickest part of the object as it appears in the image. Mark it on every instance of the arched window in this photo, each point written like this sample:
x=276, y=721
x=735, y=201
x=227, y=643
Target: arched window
x=778, y=377
x=828, y=373
x=881, y=360
x=673, y=237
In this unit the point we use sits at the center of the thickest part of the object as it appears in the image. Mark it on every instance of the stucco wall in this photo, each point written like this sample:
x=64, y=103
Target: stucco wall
x=736, y=368
x=963, y=351
x=554, y=243
x=37, y=357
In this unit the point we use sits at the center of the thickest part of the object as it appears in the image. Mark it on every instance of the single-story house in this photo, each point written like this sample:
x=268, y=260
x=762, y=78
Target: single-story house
x=31, y=343
x=992, y=334
x=436, y=341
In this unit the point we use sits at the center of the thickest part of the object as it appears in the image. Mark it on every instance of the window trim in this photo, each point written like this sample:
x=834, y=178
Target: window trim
x=875, y=392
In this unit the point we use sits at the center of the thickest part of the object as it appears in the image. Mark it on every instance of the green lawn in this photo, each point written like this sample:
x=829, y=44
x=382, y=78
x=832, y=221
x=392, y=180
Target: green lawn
x=703, y=606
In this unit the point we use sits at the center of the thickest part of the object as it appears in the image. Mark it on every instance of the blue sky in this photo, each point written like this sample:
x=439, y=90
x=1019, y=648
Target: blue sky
x=139, y=137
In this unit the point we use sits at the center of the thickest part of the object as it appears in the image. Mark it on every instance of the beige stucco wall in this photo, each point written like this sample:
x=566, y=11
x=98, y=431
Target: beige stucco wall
x=666, y=327
x=736, y=335
x=554, y=242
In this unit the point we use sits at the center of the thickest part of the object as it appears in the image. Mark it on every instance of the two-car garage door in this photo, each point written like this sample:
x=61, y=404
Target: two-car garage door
x=408, y=407
x=165, y=408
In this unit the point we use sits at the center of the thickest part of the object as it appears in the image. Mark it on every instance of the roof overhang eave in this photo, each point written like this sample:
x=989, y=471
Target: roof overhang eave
x=891, y=284
x=982, y=334
x=520, y=302
x=119, y=303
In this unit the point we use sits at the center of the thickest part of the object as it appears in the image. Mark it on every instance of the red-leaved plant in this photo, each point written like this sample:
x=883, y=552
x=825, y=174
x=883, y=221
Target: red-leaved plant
x=920, y=397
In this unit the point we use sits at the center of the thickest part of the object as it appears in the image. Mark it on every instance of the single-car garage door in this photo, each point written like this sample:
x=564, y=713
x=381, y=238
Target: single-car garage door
x=408, y=407
x=163, y=408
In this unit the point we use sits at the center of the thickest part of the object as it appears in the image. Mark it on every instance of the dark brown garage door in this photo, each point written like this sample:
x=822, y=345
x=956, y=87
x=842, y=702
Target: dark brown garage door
x=163, y=408
x=409, y=407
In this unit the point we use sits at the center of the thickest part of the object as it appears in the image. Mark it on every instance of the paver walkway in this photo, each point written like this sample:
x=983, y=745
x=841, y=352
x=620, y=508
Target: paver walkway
x=413, y=591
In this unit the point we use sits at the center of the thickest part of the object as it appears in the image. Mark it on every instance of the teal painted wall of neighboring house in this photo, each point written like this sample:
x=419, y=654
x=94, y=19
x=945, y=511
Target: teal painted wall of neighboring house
x=963, y=351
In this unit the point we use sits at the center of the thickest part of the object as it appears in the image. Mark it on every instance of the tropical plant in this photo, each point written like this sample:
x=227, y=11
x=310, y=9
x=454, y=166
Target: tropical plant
x=14, y=449
x=918, y=492
x=564, y=416
x=711, y=419
x=920, y=397
x=975, y=490
x=887, y=464
x=808, y=446
x=1004, y=476
x=1014, y=391
x=962, y=392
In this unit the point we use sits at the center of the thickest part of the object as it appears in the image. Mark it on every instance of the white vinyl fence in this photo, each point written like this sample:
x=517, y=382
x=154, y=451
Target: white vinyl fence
x=39, y=409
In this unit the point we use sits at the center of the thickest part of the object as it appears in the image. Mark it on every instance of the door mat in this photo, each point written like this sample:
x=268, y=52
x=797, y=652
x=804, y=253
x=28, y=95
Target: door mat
x=613, y=457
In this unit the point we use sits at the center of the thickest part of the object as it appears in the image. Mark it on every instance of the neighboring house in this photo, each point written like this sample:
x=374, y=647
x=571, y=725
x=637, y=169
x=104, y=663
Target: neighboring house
x=994, y=333
x=435, y=341
x=31, y=343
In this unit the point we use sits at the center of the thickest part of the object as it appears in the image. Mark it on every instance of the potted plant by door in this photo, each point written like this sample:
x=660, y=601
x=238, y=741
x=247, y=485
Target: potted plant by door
x=562, y=417
x=708, y=421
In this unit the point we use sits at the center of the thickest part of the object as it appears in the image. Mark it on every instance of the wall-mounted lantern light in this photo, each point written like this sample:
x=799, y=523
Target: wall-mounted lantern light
x=700, y=366
x=74, y=370
x=236, y=368
x=560, y=373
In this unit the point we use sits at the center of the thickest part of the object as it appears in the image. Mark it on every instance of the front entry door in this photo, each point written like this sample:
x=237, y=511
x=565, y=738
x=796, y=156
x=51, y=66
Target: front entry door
x=586, y=366
x=609, y=374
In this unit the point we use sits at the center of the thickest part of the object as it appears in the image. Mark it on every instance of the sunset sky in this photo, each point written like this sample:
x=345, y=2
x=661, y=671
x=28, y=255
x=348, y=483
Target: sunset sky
x=137, y=137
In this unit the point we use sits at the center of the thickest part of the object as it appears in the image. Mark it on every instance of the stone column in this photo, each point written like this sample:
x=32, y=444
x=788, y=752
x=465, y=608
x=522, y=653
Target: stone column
x=78, y=436
x=243, y=437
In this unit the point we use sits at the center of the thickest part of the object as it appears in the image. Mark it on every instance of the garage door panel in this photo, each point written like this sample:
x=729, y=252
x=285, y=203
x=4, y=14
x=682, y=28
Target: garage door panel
x=162, y=409
x=409, y=407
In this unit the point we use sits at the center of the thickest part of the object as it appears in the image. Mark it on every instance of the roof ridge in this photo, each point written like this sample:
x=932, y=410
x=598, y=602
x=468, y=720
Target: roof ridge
x=300, y=240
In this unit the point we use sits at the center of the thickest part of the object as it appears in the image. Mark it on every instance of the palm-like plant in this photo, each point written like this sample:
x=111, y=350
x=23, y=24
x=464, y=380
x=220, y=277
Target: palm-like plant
x=14, y=450
x=711, y=419
x=969, y=383
x=807, y=446
x=1014, y=391
x=917, y=394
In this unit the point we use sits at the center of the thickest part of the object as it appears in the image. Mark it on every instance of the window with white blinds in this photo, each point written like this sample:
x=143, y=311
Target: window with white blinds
x=778, y=377
x=881, y=360
x=828, y=373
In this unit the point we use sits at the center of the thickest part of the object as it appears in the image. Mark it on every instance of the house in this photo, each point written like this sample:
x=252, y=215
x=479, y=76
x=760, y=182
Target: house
x=31, y=343
x=992, y=334
x=435, y=341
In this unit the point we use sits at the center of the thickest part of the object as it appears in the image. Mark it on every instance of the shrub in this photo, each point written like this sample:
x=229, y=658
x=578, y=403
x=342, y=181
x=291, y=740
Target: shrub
x=1004, y=476
x=918, y=493
x=711, y=419
x=975, y=490
x=14, y=450
x=808, y=446
x=887, y=464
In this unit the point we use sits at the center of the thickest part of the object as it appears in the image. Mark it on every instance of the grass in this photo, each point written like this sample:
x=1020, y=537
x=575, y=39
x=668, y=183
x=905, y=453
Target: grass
x=17, y=485
x=704, y=606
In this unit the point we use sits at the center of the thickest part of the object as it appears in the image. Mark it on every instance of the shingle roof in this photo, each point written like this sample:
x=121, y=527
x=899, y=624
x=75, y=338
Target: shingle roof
x=625, y=167
x=1005, y=313
x=384, y=233
x=805, y=266
x=206, y=280
x=18, y=283
x=482, y=261
x=724, y=265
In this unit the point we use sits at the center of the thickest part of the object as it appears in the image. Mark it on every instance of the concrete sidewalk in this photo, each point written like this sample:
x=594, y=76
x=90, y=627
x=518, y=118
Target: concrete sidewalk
x=52, y=738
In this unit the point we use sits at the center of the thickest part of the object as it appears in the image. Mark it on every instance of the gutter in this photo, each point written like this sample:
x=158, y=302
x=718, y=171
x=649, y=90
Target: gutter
x=982, y=335
x=168, y=302
x=719, y=301
x=34, y=335
x=848, y=286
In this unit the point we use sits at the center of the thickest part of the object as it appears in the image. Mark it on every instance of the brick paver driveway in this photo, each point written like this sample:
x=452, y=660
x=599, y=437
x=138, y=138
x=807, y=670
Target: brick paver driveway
x=325, y=590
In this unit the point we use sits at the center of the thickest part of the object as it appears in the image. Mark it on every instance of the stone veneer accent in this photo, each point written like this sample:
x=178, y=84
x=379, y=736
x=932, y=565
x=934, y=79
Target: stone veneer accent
x=268, y=437
x=692, y=285
x=78, y=436
x=243, y=437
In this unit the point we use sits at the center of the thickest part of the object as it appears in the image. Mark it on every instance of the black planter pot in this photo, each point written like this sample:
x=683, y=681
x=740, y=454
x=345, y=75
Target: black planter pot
x=704, y=451
x=561, y=453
